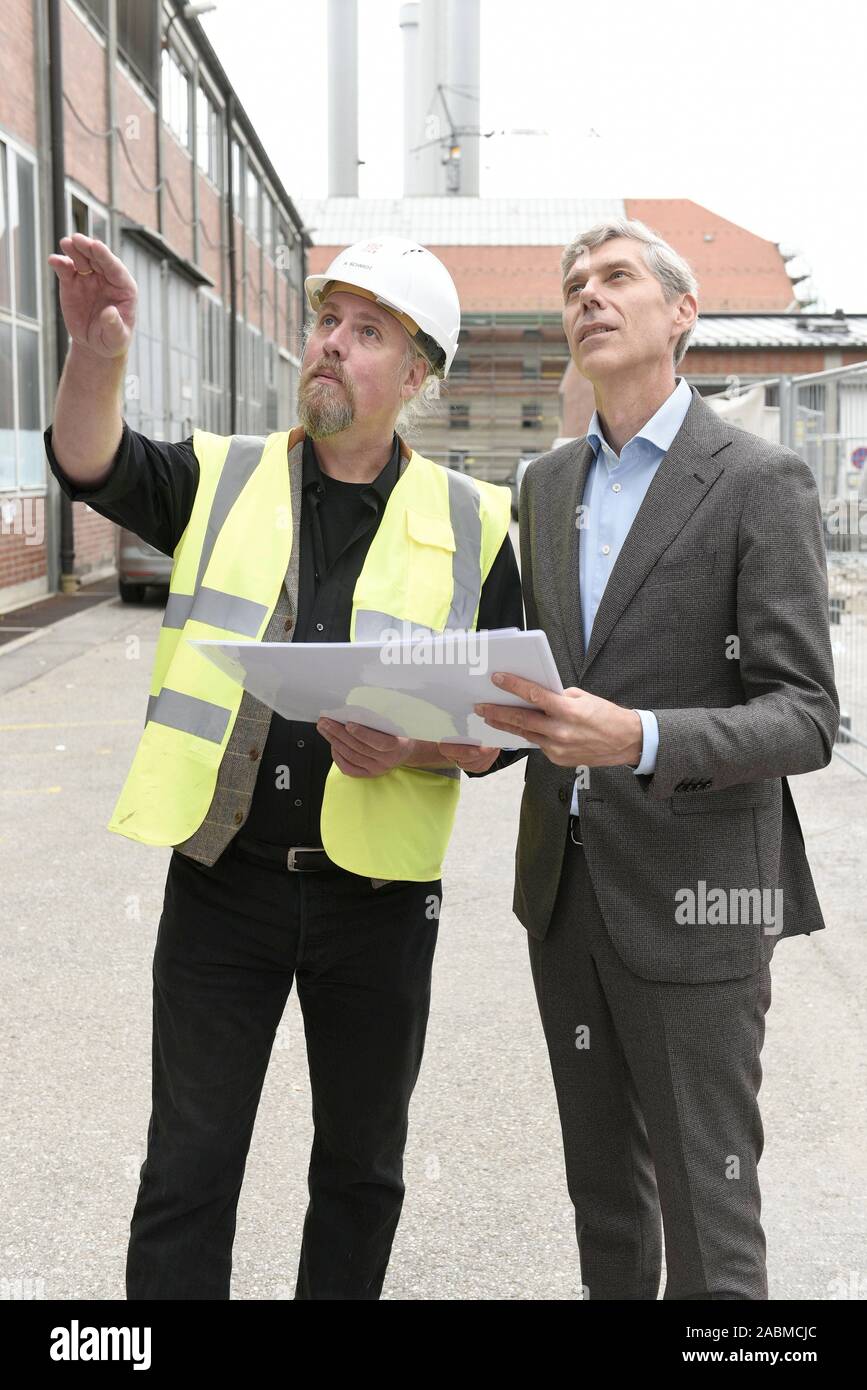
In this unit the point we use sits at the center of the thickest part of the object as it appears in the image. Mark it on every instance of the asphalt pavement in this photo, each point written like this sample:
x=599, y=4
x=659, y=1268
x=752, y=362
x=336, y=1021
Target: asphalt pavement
x=486, y=1215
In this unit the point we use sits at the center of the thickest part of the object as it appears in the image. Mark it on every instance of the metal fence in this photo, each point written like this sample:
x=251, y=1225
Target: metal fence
x=823, y=417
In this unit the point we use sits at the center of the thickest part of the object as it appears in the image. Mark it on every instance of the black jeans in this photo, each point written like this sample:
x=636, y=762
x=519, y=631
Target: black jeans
x=231, y=938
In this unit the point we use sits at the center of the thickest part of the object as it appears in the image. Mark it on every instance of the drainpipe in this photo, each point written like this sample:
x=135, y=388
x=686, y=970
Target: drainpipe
x=233, y=286
x=69, y=583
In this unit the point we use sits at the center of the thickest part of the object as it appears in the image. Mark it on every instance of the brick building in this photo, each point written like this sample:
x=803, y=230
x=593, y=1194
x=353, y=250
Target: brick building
x=157, y=158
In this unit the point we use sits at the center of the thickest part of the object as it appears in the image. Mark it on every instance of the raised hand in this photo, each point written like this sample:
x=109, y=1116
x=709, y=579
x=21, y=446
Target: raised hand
x=97, y=295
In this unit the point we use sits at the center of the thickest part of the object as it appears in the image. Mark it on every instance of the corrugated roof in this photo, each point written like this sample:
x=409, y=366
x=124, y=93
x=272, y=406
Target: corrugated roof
x=780, y=331
x=455, y=221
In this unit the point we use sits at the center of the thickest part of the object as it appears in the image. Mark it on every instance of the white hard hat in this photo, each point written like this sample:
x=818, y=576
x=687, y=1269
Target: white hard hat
x=406, y=279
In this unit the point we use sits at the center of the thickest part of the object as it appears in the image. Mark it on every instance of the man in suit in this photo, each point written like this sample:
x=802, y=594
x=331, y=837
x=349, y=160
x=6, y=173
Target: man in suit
x=677, y=565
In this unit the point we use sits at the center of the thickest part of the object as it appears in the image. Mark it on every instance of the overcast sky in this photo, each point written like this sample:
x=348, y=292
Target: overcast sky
x=754, y=108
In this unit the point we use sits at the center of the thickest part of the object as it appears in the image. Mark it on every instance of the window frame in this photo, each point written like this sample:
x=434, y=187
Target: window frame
x=170, y=58
x=23, y=323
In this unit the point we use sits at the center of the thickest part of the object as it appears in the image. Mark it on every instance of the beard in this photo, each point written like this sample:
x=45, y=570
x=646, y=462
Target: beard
x=325, y=407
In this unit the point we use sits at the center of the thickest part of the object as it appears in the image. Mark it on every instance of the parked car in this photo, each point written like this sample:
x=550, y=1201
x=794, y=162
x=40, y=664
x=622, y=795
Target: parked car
x=138, y=565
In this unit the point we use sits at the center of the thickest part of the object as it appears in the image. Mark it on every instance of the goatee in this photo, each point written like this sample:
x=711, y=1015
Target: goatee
x=325, y=409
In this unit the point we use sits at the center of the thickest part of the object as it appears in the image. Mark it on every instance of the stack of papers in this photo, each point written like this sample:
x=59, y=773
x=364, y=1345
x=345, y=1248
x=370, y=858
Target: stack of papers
x=421, y=688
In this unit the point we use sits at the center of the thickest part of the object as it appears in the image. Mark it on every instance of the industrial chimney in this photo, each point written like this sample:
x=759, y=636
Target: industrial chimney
x=441, y=97
x=342, y=99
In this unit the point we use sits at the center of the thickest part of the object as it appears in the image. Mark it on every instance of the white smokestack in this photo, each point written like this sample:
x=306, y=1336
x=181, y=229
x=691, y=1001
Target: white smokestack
x=462, y=80
x=342, y=99
x=413, y=124
x=431, y=74
x=441, y=96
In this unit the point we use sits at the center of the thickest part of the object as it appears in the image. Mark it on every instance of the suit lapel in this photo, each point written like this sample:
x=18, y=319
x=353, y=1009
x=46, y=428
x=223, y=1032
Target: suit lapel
x=555, y=558
x=682, y=480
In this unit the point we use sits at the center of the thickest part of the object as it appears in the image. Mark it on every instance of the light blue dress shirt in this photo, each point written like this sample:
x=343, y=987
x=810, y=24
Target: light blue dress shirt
x=613, y=493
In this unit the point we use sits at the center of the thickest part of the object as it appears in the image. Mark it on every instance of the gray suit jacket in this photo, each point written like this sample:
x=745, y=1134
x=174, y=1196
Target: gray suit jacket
x=727, y=543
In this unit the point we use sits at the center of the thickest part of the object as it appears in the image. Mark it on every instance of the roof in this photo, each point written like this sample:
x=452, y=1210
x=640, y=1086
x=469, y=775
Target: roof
x=736, y=270
x=504, y=253
x=455, y=221
x=780, y=331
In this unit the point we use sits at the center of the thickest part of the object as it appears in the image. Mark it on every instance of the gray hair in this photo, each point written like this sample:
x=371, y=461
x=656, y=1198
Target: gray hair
x=671, y=270
x=416, y=410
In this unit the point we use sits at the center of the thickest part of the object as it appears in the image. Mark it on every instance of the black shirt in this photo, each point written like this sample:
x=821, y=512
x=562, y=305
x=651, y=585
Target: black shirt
x=151, y=490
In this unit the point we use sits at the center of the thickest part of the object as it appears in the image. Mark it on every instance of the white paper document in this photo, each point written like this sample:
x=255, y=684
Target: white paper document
x=423, y=688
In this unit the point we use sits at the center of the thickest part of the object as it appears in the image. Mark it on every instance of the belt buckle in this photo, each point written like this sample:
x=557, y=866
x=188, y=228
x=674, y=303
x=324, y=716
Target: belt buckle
x=300, y=849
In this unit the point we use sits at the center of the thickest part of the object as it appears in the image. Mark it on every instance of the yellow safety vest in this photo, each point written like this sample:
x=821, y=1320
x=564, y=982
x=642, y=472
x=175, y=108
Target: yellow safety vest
x=438, y=537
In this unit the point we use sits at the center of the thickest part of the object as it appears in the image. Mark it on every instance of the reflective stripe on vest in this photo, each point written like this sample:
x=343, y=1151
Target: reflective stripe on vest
x=205, y=605
x=189, y=714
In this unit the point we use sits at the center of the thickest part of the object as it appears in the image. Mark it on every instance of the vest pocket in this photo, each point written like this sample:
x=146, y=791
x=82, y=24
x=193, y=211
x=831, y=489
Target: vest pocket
x=430, y=530
x=429, y=572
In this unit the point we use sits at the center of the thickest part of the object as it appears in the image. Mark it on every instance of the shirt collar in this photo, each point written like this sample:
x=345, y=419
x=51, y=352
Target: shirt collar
x=311, y=473
x=660, y=428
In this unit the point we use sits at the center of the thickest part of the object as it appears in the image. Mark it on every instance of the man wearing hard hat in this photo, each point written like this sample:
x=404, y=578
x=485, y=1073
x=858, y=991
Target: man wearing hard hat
x=299, y=851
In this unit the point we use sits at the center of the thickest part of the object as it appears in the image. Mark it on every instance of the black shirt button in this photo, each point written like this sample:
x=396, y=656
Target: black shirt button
x=297, y=802
x=320, y=627
x=562, y=793
x=300, y=743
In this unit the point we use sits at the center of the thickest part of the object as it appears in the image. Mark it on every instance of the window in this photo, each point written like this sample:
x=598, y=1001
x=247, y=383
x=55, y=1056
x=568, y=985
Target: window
x=208, y=137
x=459, y=416
x=251, y=212
x=268, y=223
x=98, y=11
x=138, y=37
x=137, y=33
x=255, y=393
x=288, y=257
x=531, y=416
x=176, y=98
x=84, y=216
x=271, y=406
x=212, y=358
x=25, y=240
x=460, y=366
x=532, y=368
x=22, y=455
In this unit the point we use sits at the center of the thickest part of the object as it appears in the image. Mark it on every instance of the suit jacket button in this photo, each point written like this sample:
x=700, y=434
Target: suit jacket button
x=238, y=817
x=289, y=624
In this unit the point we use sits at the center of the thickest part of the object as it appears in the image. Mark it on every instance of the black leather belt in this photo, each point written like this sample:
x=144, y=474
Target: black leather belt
x=575, y=831
x=296, y=858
